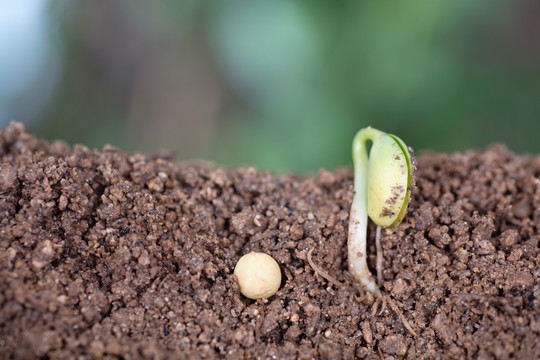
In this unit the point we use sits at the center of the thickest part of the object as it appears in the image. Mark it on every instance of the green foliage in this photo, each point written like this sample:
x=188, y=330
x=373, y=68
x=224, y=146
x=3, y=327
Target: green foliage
x=382, y=179
x=285, y=84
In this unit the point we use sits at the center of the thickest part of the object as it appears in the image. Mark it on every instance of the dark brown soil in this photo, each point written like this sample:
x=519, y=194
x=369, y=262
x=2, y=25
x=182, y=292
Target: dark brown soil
x=105, y=254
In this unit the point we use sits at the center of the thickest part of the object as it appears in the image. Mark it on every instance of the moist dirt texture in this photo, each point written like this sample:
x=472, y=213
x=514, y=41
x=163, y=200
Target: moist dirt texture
x=106, y=254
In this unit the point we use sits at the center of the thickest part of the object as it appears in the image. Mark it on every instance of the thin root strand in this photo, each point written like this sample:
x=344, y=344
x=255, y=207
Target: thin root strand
x=384, y=299
x=323, y=273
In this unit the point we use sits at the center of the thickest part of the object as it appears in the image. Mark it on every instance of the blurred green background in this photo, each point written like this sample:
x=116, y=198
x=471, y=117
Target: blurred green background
x=280, y=84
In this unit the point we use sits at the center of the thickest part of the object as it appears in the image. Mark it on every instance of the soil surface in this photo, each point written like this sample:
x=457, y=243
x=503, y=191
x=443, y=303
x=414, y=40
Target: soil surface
x=105, y=254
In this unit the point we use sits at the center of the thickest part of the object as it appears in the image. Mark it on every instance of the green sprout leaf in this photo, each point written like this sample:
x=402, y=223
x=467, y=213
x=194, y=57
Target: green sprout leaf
x=382, y=189
x=389, y=181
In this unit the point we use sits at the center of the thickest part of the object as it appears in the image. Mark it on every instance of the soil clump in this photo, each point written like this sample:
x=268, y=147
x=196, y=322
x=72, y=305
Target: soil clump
x=106, y=254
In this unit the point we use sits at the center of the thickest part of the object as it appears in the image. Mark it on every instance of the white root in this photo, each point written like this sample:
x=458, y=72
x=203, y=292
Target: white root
x=379, y=256
x=380, y=296
x=358, y=259
x=357, y=245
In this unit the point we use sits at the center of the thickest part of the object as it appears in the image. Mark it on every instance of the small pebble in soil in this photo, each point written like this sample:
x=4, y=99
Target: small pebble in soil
x=258, y=274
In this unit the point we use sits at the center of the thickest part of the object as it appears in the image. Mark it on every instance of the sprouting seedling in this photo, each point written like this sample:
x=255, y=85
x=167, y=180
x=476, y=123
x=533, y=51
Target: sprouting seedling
x=382, y=189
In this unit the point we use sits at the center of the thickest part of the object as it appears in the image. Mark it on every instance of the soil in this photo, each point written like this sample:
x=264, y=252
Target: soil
x=105, y=254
